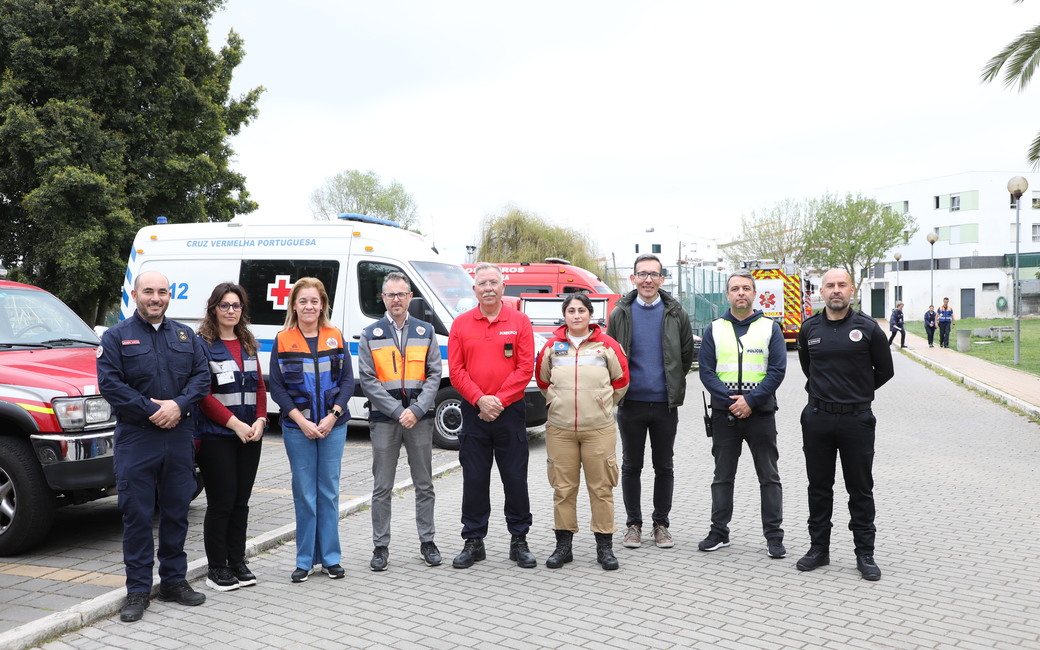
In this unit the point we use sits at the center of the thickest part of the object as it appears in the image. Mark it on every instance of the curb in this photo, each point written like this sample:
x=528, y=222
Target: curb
x=40, y=631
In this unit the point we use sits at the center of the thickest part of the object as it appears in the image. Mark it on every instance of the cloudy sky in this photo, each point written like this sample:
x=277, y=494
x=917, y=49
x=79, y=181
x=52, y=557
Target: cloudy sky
x=610, y=116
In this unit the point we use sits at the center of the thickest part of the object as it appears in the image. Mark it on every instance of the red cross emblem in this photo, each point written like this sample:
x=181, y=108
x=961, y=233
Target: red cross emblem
x=767, y=299
x=278, y=292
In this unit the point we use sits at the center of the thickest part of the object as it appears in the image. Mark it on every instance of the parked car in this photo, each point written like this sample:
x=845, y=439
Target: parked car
x=56, y=431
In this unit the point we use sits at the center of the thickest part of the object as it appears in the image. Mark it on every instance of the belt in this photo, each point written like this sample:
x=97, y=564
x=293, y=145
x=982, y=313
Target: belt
x=834, y=407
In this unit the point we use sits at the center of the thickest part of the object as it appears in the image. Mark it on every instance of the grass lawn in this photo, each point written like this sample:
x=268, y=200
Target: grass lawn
x=988, y=349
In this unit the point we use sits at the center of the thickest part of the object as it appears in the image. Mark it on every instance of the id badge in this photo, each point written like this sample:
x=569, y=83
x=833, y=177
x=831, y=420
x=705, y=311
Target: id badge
x=508, y=350
x=225, y=378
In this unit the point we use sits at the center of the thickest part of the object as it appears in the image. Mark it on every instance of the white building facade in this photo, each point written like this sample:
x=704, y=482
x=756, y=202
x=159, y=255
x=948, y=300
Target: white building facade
x=972, y=260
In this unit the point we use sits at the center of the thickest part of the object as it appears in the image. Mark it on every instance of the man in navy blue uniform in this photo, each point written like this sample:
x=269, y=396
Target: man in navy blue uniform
x=153, y=372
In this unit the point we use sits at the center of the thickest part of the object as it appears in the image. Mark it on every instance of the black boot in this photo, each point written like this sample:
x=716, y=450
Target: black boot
x=605, y=551
x=472, y=552
x=562, y=554
x=519, y=553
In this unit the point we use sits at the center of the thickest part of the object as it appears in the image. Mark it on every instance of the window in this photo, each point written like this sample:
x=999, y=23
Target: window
x=370, y=277
x=1036, y=200
x=1036, y=232
x=906, y=207
x=991, y=286
x=906, y=237
x=955, y=202
x=937, y=203
x=269, y=282
x=655, y=249
x=637, y=249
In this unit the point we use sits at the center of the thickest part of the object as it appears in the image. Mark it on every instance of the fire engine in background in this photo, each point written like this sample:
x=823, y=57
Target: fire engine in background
x=553, y=277
x=780, y=295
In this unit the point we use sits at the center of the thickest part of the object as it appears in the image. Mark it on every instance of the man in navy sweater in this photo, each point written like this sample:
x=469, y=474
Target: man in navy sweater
x=658, y=360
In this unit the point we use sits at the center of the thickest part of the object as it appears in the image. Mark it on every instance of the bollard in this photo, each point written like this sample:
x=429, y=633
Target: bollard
x=963, y=340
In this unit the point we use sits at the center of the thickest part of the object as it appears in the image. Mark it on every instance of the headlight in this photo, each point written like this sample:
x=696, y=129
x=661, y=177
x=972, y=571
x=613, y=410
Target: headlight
x=80, y=412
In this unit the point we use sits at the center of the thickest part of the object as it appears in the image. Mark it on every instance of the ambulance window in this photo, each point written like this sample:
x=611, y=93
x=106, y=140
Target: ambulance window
x=268, y=283
x=517, y=289
x=370, y=287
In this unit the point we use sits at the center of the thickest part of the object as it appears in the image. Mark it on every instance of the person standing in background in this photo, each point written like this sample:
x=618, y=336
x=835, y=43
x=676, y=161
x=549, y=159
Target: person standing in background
x=929, y=324
x=945, y=320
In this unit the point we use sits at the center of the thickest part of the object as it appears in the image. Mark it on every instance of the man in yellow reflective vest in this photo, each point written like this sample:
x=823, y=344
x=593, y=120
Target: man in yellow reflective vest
x=399, y=366
x=742, y=360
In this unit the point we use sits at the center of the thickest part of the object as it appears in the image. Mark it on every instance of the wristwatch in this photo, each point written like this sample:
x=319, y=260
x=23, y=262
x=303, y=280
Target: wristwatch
x=338, y=414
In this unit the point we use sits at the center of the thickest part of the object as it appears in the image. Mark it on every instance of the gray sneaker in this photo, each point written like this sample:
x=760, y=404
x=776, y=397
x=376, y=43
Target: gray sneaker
x=633, y=537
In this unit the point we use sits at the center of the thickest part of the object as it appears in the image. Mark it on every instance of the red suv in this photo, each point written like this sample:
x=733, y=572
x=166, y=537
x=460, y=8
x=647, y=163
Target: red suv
x=56, y=431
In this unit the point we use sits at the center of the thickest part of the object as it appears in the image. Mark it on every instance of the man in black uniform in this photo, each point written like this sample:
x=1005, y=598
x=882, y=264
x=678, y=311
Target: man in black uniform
x=845, y=356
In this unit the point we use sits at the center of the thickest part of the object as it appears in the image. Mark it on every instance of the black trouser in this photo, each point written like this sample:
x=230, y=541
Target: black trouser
x=931, y=335
x=902, y=337
x=228, y=470
x=944, y=334
x=824, y=436
x=727, y=440
x=504, y=442
x=635, y=420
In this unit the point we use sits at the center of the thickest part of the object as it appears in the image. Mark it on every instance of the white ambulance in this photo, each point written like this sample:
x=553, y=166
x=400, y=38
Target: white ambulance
x=351, y=256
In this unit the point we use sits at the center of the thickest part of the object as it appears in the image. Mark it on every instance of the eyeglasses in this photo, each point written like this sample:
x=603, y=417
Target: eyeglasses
x=401, y=295
x=489, y=283
x=653, y=275
x=228, y=306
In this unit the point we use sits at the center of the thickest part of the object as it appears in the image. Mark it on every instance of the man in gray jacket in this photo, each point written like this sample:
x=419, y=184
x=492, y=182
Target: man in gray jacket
x=658, y=360
x=399, y=366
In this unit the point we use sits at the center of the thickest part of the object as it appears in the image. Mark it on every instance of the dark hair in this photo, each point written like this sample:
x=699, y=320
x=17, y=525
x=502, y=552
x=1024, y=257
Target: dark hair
x=581, y=297
x=210, y=331
x=741, y=274
x=648, y=257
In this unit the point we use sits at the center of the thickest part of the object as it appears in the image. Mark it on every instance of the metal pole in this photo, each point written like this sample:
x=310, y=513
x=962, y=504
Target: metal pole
x=1015, y=295
x=931, y=277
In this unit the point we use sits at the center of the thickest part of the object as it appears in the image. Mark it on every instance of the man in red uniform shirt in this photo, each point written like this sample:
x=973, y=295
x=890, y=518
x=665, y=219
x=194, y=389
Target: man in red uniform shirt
x=491, y=361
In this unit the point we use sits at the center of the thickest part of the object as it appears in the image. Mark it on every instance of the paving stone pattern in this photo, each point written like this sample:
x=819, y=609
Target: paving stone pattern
x=959, y=534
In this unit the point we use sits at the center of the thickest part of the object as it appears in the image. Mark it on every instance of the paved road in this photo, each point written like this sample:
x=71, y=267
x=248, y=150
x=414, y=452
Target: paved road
x=83, y=559
x=959, y=534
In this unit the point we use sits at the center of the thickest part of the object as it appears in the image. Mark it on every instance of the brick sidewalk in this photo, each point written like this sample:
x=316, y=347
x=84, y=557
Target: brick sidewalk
x=958, y=540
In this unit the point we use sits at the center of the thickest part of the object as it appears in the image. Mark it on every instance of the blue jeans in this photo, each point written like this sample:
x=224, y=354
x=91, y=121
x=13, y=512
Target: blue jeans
x=316, y=466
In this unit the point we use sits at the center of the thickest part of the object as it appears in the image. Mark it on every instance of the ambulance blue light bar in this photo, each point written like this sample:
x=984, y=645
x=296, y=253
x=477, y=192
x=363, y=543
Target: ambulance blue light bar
x=364, y=218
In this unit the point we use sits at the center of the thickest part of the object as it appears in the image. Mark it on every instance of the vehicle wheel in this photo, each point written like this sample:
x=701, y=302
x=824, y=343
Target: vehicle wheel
x=26, y=502
x=448, y=418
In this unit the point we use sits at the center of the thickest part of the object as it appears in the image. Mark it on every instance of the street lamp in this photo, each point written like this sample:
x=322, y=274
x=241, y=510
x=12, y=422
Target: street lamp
x=932, y=238
x=1017, y=186
x=895, y=292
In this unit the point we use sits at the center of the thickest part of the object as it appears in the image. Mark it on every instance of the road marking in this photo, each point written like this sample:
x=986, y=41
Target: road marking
x=63, y=575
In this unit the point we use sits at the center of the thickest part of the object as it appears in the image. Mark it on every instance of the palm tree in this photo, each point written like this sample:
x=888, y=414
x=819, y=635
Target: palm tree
x=1021, y=57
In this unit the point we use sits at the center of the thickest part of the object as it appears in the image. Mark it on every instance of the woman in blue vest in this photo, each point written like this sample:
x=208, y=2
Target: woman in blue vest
x=229, y=434
x=312, y=380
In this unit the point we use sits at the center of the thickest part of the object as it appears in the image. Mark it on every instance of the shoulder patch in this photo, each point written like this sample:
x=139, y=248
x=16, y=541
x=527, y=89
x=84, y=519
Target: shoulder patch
x=856, y=335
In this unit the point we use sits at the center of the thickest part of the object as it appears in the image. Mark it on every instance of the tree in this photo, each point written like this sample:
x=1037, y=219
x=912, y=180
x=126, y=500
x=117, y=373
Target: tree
x=853, y=233
x=520, y=236
x=776, y=234
x=1021, y=57
x=111, y=114
x=362, y=193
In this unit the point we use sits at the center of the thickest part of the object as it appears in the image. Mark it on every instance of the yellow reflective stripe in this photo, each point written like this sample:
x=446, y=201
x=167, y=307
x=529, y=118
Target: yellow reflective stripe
x=37, y=409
